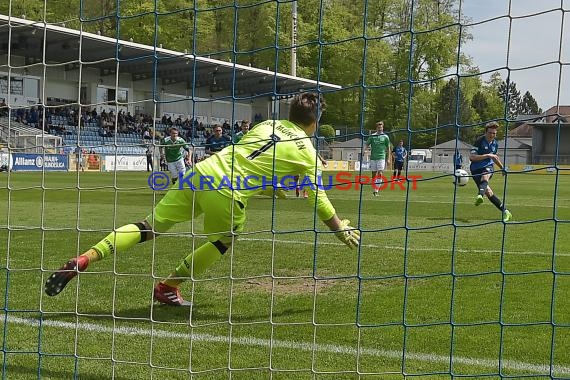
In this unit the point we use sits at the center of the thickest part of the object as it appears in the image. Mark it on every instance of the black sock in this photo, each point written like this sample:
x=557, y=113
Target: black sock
x=483, y=187
x=497, y=202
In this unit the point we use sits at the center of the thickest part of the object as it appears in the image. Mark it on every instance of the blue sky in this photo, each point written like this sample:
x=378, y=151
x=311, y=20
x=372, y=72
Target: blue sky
x=534, y=40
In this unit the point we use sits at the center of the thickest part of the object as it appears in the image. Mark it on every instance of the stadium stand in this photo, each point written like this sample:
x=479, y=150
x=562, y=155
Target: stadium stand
x=98, y=134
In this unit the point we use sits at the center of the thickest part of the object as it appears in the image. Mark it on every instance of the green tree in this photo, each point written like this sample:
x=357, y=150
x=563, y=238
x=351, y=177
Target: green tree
x=471, y=83
x=494, y=82
x=488, y=105
x=455, y=112
x=529, y=106
x=255, y=39
x=420, y=57
x=29, y=9
x=327, y=131
x=511, y=97
x=495, y=104
x=385, y=54
x=480, y=103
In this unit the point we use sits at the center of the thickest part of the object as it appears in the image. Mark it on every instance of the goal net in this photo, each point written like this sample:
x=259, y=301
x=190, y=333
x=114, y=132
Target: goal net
x=439, y=288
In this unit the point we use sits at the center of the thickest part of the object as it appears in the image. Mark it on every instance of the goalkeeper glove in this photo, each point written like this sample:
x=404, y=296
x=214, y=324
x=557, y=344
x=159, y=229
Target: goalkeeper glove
x=348, y=235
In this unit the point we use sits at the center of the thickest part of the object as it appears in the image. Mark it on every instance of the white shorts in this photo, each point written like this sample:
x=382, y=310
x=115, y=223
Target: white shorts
x=377, y=165
x=176, y=167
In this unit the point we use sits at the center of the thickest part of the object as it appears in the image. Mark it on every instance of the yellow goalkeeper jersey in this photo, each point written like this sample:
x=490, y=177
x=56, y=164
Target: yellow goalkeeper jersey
x=270, y=154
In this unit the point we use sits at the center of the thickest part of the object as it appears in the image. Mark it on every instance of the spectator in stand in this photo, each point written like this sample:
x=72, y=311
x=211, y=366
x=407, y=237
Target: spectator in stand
x=186, y=125
x=20, y=115
x=129, y=118
x=85, y=116
x=73, y=117
x=121, y=120
x=3, y=107
x=33, y=117
x=112, y=120
x=216, y=142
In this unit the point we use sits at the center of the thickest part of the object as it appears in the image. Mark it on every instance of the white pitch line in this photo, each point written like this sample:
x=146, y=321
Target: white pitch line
x=394, y=247
x=560, y=204
x=543, y=369
x=389, y=247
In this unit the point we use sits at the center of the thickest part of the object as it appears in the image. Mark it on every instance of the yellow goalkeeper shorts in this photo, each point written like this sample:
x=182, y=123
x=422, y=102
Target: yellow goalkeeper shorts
x=223, y=217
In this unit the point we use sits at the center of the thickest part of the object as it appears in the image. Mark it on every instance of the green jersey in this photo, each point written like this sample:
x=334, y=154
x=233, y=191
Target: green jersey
x=271, y=153
x=238, y=136
x=379, y=145
x=173, y=149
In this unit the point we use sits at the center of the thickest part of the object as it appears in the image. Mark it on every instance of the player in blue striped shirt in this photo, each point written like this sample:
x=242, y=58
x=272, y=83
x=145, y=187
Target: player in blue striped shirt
x=483, y=158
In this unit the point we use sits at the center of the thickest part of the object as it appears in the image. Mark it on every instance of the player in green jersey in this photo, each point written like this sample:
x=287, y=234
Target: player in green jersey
x=273, y=149
x=244, y=129
x=171, y=148
x=379, y=145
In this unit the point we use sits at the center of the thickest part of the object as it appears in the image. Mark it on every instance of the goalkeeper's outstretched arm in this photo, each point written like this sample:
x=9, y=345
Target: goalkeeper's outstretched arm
x=333, y=223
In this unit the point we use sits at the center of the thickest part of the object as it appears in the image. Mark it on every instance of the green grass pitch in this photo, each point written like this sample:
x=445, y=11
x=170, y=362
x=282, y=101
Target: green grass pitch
x=439, y=288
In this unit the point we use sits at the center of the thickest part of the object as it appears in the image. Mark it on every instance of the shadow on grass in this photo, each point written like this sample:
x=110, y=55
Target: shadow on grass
x=200, y=313
x=447, y=219
x=209, y=313
x=31, y=372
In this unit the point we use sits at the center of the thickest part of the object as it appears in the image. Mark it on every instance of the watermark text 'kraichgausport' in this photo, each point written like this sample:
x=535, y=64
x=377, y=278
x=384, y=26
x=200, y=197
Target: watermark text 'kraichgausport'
x=343, y=181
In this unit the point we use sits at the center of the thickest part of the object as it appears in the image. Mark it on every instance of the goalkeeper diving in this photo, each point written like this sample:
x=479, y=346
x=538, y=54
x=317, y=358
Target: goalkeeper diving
x=274, y=148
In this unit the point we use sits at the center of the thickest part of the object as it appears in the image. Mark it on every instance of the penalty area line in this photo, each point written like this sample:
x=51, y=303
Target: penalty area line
x=401, y=248
x=538, y=369
x=311, y=242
